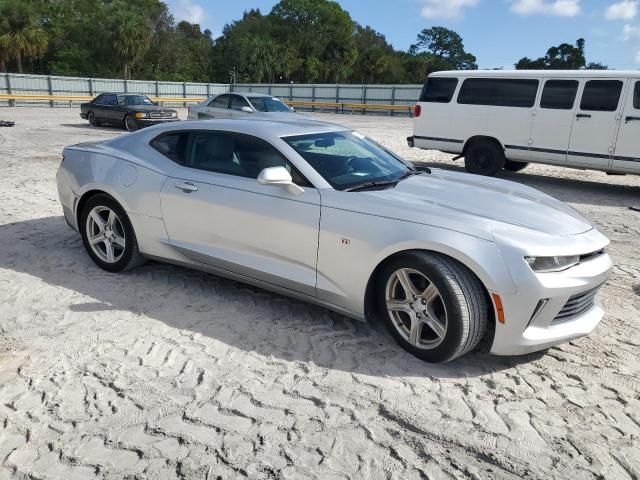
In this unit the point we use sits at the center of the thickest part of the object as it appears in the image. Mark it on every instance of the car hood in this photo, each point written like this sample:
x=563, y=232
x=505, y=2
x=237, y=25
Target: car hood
x=278, y=115
x=469, y=204
x=148, y=108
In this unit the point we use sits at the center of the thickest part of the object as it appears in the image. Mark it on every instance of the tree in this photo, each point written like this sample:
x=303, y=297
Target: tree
x=23, y=36
x=444, y=50
x=562, y=57
x=322, y=34
x=131, y=40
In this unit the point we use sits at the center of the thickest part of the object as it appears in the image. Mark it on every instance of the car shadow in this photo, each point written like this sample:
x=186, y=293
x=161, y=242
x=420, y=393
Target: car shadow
x=570, y=190
x=105, y=128
x=238, y=315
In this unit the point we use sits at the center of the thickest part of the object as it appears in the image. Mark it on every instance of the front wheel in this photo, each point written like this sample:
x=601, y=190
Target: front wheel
x=108, y=236
x=433, y=306
x=130, y=123
x=484, y=157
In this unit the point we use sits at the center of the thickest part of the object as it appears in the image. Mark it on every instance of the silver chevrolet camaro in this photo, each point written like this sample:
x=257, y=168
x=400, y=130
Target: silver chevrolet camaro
x=449, y=261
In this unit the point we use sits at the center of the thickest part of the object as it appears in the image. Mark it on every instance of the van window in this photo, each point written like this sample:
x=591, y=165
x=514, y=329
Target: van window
x=636, y=96
x=438, y=90
x=559, y=94
x=601, y=95
x=500, y=92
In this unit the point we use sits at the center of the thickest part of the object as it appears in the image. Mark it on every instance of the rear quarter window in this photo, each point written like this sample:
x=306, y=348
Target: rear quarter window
x=172, y=145
x=438, y=90
x=499, y=92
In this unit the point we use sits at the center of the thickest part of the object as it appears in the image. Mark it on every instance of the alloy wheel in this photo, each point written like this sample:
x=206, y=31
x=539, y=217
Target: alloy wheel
x=105, y=234
x=416, y=308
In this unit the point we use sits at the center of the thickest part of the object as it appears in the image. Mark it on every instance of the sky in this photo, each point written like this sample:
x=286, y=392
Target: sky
x=497, y=32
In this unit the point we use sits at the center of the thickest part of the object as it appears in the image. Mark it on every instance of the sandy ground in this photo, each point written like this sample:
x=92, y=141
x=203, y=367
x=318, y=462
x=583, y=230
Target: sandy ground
x=165, y=372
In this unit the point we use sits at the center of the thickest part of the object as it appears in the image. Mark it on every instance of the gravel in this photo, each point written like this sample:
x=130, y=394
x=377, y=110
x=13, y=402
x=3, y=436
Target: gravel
x=164, y=372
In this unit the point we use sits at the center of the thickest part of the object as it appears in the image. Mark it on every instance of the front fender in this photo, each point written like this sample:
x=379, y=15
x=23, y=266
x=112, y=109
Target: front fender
x=352, y=246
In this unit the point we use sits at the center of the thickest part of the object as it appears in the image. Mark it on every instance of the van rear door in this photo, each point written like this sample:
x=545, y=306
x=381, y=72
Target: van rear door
x=595, y=123
x=627, y=154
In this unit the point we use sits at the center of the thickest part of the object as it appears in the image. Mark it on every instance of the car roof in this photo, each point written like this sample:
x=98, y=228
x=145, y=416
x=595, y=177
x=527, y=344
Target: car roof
x=267, y=129
x=539, y=73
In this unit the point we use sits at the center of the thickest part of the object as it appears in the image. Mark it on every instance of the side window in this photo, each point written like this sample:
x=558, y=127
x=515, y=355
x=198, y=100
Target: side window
x=499, y=92
x=236, y=154
x=221, y=102
x=109, y=100
x=438, y=90
x=237, y=102
x=601, y=95
x=559, y=94
x=636, y=96
x=172, y=145
x=99, y=100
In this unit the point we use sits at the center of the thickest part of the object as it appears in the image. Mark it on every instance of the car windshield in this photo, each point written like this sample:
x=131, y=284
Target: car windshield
x=349, y=160
x=268, y=104
x=131, y=100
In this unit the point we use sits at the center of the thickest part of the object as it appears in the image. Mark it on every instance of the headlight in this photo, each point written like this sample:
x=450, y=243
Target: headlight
x=175, y=114
x=552, y=264
x=142, y=115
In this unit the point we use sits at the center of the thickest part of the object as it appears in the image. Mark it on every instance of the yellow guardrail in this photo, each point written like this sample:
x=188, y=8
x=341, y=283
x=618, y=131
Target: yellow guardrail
x=337, y=106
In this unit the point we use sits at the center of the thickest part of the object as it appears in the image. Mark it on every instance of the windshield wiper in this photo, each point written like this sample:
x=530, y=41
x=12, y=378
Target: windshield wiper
x=364, y=186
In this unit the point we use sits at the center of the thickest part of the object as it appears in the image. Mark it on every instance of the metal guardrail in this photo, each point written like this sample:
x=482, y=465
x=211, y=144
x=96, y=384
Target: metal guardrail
x=337, y=106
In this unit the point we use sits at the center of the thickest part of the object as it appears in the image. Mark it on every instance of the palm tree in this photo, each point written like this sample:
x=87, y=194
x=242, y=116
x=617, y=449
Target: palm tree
x=30, y=42
x=132, y=36
x=21, y=37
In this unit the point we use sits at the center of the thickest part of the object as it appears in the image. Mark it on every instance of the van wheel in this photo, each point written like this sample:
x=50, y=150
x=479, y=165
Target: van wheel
x=484, y=157
x=513, y=166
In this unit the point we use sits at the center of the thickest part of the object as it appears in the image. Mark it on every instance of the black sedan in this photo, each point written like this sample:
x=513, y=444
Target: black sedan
x=131, y=110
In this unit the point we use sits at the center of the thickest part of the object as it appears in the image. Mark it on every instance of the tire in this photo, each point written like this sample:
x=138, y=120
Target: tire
x=484, y=157
x=130, y=124
x=93, y=121
x=460, y=307
x=113, y=234
x=513, y=166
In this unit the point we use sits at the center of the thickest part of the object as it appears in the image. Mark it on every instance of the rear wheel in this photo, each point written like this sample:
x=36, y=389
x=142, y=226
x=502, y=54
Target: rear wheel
x=130, y=123
x=93, y=121
x=433, y=306
x=108, y=236
x=513, y=166
x=484, y=157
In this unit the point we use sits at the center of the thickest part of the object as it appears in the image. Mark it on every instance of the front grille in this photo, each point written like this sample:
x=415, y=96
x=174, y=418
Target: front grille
x=576, y=306
x=160, y=114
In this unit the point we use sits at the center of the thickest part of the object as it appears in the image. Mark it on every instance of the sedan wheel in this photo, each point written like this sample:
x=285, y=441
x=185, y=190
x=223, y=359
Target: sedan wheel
x=130, y=123
x=93, y=121
x=434, y=306
x=108, y=235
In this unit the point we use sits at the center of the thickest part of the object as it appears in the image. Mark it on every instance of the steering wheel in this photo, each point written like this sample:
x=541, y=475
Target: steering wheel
x=348, y=163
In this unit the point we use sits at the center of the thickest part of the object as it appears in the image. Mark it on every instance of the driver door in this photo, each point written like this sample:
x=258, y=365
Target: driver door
x=217, y=213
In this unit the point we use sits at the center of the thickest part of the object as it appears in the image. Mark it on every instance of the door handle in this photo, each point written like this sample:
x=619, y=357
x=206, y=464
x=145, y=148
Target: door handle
x=186, y=187
x=583, y=115
x=631, y=119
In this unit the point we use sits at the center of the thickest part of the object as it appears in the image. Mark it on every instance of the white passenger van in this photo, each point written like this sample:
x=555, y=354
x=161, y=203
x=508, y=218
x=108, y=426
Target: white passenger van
x=503, y=119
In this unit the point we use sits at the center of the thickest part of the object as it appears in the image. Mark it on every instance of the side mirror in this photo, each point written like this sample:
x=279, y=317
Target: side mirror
x=246, y=110
x=279, y=176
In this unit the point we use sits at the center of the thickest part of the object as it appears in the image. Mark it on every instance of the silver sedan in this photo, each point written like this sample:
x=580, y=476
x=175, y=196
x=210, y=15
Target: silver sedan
x=449, y=261
x=243, y=106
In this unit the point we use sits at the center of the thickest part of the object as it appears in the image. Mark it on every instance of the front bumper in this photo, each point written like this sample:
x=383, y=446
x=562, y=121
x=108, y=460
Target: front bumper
x=147, y=122
x=536, y=315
